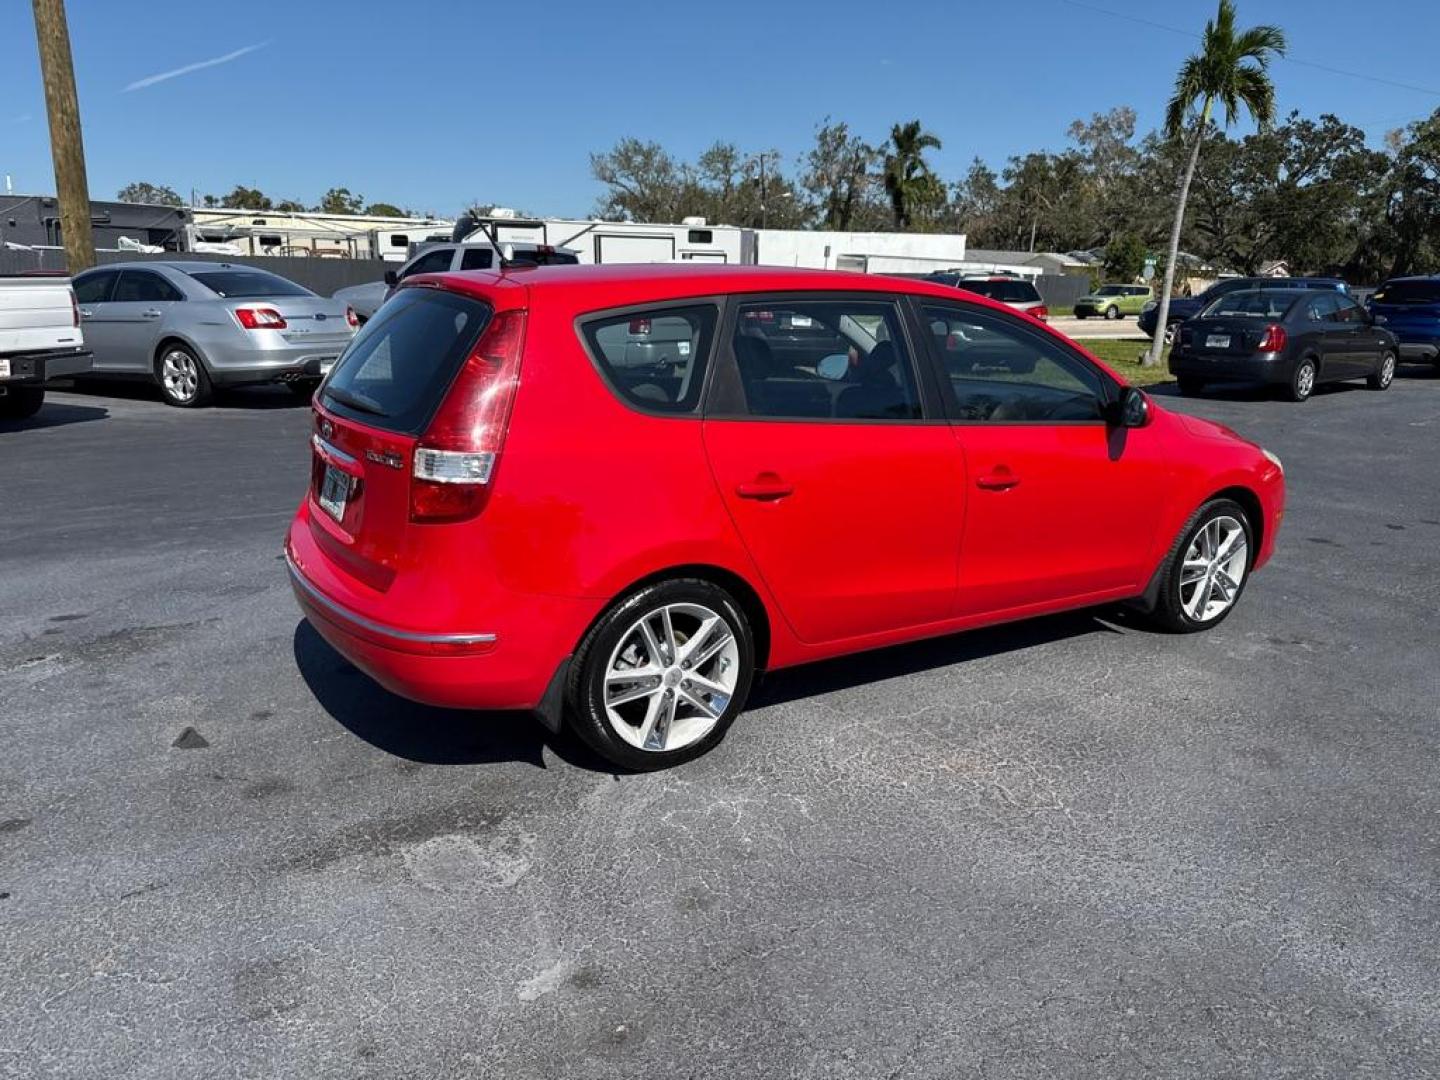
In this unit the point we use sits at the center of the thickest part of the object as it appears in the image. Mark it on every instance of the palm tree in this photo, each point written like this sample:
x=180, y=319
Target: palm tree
x=908, y=179
x=1231, y=70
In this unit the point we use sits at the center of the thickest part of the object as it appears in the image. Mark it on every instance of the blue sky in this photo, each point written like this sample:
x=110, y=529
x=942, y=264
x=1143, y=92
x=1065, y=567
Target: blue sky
x=437, y=103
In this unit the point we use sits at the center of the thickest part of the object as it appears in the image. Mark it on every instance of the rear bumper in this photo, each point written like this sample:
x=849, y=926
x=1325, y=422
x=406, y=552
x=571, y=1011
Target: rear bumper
x=1261, y=367
x=508, y=663
x=274, y=365
x=37, y=367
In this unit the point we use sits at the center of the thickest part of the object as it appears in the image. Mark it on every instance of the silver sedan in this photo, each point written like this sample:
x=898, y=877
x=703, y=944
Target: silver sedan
x=195, y=326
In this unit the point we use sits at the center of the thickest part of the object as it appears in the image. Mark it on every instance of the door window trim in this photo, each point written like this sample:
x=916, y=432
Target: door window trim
x=1110, y=386
x=725, y=394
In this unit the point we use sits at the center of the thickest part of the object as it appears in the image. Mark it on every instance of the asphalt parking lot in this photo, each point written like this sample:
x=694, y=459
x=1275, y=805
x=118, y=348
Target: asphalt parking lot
x=1066, y=848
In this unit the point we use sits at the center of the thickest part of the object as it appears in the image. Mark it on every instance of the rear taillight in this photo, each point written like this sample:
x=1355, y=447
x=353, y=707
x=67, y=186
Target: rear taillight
x=351, y=317
x=1042, y=312
x=1274, y=339
x=456, y=456
x=74, y=309
x=260, y=318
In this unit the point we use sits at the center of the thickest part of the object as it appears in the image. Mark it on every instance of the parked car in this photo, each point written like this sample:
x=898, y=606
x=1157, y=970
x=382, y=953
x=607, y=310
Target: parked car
x=366, y=299
x=1113, y=301
x=1013, y=292
x=196, y=326
x=1410, y=309
x=505, y=513
x=1295, y=338
x=40, y=339
x=1185, y=307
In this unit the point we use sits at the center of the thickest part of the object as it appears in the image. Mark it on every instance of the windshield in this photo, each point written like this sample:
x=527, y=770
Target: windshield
x=248, y=283
x=1255, y=303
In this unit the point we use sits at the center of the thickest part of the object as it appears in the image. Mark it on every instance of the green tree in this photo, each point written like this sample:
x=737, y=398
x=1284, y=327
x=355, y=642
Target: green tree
x=385, y=209
x=291, y=206
x=909, y=180
x=246, y=198
x=154, y=194
x=839, y=176
x=1231, y=70
x=644, y=183
x=339, y=200
x=1124, y=258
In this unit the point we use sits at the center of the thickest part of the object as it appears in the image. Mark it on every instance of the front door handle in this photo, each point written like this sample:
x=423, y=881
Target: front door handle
x=767, y=487
x=150, y=313
x=86, y=313
x=1002, y=479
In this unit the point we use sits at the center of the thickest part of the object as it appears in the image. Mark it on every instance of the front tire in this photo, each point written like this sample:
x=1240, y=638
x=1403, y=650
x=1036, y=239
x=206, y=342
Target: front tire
x=1302, y=380
x=21, y=402
x=662, y=675
x=184, y=382
x=1207, y=569
x=1384, y=375
x=1112, y=313
x=1082, y=316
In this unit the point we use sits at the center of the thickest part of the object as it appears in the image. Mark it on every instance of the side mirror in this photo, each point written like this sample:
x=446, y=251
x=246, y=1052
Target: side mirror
x=1130, y=410
x=833, y=367
x=391, y=278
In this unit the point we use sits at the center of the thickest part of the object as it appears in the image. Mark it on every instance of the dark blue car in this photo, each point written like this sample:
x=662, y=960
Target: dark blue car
x=1409, y=308
x=1186, y=307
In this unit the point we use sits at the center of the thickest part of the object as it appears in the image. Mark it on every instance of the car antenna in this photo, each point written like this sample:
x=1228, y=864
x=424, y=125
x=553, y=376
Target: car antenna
x=504, y=253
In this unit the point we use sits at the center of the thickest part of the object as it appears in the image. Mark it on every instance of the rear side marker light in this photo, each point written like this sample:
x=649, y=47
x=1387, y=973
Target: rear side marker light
x=260, y=318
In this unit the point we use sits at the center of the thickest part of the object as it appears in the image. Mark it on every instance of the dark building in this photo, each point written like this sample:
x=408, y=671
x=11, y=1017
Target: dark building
x=34, y=221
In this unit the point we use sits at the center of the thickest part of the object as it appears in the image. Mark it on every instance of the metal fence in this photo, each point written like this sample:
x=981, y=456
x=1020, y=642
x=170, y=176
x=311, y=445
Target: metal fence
x=320, y=275
x=1060, y=291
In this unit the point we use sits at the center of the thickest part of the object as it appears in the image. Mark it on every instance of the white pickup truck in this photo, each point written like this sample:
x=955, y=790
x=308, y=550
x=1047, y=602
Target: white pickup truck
x=40, y=339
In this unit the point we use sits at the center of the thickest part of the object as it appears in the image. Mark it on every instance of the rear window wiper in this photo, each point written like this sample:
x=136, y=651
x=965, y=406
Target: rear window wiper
x=356, y=401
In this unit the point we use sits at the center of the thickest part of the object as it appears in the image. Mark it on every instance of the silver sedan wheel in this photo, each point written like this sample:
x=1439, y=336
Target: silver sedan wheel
x=179, y=375
x=1214, y=569
x=1305, y=380
x=1387, y=370
x=671, y=677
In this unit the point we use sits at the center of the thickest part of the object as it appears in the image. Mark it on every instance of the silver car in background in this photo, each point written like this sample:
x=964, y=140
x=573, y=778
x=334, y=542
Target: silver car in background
x=196, y=326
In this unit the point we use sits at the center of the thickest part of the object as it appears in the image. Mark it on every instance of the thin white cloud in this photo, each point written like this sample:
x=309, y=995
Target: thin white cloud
x=151, y=80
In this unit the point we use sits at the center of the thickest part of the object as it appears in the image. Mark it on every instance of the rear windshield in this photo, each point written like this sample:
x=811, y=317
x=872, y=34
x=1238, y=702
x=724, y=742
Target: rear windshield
x=1007, y=292
x=1259, y=303
x=395, y=373
x=248, y=283
x=1408, y=292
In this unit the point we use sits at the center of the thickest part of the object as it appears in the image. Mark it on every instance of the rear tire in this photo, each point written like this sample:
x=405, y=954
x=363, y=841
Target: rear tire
x=1201, y=582
x=1384, y=375
x=1081, y=317
x=21, y=402
x=184, y=382
x=1190, y=387
x=685, y=697
x=1302, y=380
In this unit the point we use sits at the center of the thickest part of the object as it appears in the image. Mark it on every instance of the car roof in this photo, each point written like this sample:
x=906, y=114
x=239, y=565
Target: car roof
x=185, y=266
x=1291, y=292
x=590, y=287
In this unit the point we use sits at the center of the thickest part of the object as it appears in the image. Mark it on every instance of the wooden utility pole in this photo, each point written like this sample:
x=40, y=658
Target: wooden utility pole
x=66, y=146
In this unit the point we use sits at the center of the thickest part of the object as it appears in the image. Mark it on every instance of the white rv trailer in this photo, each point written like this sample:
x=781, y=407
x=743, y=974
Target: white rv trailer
x=693, y=240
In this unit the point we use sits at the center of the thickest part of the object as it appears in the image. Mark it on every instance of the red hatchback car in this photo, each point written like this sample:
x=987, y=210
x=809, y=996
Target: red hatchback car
x=620, y=493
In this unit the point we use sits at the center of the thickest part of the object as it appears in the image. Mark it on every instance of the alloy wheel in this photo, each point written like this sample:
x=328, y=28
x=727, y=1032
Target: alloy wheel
x=1214, y=569
x=1305, y=380
x=1387, y=371
x=179, y=375
x=671, y=676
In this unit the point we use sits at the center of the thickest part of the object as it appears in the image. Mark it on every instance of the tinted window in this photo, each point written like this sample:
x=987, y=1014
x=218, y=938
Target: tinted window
x=655, y=359
x=1003, y=373
x=1007, y=292
x=825, y=359
x=1112, y=290
x=247, y=283
x=475, y=259
x=1408, y=292
x=396, y=371
x=1347, y=310
x=700, y=236
x=94, y=288
x=1256, y=303
x=432, y=262
x=557, y=258
x=138, y=285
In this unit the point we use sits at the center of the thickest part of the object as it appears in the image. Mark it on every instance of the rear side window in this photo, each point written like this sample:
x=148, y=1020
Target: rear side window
x=1408, y=292
x=656, y=359
x=476, y=259
x=395, y=373
x=251, y=284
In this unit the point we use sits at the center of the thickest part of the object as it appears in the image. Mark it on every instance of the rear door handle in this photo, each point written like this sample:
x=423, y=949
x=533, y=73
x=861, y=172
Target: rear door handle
x=1001, y=479
x=86, y=313
x=150, y=313
x=766, y=487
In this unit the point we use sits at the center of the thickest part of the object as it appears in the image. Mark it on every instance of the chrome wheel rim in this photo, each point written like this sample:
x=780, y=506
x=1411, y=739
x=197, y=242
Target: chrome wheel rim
x=1305, y=380
x=1387, y=370
x=1214, y=569
x=1170, y=329
x=179, y=375
x=671, y=676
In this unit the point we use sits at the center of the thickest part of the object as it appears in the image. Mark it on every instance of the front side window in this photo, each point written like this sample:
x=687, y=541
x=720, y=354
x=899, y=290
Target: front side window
x=824, y=360
x=1346, y=310
x=432, y=262
x=1000, y=372
x=1320, y=308
x=655, y=360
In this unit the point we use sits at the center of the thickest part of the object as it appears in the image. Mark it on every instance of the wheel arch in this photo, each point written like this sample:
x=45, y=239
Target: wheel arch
x=168, y=338
x=1248, y=501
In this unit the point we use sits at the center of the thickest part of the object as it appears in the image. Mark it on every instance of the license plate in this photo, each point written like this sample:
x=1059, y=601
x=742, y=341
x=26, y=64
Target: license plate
x=334, y=491
x=1217, y=341
x=4, y=367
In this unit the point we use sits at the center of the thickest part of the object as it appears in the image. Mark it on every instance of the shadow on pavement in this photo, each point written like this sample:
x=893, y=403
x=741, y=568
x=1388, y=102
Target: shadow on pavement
x=268, y=396
x=53, y=414
x=424, y=733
